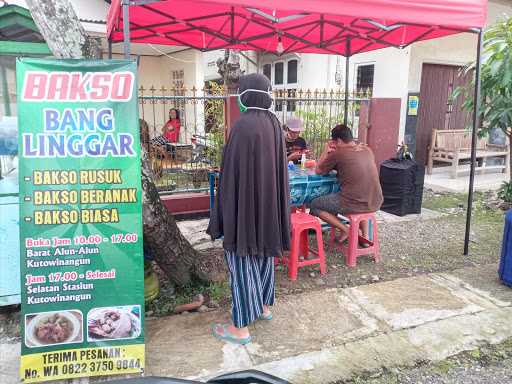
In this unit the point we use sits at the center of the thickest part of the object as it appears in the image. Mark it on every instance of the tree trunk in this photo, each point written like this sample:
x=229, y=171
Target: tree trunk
x=66, y=38
x=172, y=252
x=63, y=32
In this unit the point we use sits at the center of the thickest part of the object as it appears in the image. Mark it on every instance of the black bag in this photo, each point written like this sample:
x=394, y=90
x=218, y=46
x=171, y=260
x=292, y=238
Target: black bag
x=402, y=186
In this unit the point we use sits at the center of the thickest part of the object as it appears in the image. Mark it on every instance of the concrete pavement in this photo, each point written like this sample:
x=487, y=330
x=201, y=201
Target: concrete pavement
x=195, y=230
x=441, y=181
x=332, y=334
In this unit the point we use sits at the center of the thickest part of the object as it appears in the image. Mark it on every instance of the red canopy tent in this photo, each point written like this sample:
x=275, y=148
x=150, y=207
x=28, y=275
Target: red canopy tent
x=322, y=26
x=341, y=27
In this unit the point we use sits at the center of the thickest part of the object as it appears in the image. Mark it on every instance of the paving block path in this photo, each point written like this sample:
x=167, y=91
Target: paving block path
x=332, y=334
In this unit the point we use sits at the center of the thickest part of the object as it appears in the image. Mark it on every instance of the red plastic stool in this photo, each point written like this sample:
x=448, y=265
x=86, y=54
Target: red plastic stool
x=353, y=251
x=298, y=208
x=301, y=223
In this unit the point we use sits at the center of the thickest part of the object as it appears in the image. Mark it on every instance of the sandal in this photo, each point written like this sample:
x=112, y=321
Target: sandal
x=267, y=317
x=363, y=242
x=227, y=336
x=341, y=242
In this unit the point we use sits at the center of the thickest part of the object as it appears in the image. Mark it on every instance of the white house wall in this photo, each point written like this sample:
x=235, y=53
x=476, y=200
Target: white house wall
x=156, y=71
x=190, y=61
x=312, y=71
x=390, y=74
x=498, y=9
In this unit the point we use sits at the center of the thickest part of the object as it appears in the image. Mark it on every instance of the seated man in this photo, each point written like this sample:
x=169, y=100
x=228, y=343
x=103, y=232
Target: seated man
x=358, y=178
x=295, y=145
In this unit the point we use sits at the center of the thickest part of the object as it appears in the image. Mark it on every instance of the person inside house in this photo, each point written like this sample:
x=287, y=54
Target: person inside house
x=170, y=135
x=251, y=210
x=171, y=129
x=295, y=144
x=358, y=178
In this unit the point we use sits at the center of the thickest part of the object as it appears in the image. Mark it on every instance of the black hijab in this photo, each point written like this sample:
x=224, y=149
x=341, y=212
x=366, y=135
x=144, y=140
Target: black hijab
x=252, y=208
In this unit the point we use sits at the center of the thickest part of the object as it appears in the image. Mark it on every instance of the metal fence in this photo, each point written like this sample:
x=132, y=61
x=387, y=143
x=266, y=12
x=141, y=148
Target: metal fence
x=184, y=167
x=319, y=110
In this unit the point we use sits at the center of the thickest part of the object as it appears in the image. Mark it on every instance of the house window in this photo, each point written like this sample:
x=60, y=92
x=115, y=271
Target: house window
x=365, y=77
x=267, y=71
x=278, y=73
x=285, y=78
x=279, y=102
x=291, y=105
x=292, y=72
x=178, y=85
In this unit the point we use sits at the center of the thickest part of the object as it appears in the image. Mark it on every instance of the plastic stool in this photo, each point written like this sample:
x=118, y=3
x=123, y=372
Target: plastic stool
x=353, y=251
x=298, y=208
x=301, y=223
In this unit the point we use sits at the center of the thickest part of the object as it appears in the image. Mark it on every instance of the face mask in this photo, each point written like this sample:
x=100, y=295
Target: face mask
x=241, y=106
x=244, y=108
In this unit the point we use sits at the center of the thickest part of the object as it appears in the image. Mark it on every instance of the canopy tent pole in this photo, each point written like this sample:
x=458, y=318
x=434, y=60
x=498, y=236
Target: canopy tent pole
x=476, y=124
x=109, y=49
x=126, y=28
x=347, y=72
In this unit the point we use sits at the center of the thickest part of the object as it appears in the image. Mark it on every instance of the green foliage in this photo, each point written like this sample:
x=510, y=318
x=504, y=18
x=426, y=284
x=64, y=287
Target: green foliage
x=214, y=109
x=505, y=192
x=318, y=127
x=214, y=123
x=496, y=79
x=215, y=142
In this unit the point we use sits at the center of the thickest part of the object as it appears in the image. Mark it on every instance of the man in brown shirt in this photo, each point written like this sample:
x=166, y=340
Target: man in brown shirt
x=358, y=178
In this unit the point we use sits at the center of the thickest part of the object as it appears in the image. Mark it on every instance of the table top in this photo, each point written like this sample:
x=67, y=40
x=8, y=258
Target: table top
x=300, y=174
x=309, y=173
x=180, y=145
x=306, y=185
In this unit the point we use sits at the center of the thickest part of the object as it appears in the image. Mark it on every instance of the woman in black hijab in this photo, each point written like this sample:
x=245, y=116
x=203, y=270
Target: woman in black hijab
x=252, y=209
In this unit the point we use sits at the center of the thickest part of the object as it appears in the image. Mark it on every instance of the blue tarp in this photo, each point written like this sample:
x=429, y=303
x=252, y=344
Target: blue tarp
x=505, y=270
x=9, y=240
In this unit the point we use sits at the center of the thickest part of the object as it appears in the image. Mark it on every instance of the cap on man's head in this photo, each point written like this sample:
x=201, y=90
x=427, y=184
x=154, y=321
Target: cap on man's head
x=294, y=124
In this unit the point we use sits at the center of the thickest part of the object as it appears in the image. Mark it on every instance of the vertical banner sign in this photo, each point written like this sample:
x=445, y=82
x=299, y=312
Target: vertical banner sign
x=82, y=273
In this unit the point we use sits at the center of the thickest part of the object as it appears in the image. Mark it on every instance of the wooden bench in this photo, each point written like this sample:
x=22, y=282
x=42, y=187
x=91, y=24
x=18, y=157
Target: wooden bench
x=452, y=146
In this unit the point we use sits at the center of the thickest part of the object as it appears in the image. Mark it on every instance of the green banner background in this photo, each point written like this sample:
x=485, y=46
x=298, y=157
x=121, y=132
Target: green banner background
x=127, y=288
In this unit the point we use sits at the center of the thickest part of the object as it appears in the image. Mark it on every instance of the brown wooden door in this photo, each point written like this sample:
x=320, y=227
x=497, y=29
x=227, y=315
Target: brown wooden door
x=436, y=110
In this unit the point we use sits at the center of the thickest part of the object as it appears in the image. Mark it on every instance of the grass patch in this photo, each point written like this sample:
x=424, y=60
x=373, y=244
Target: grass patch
x=456, y=203
x=168, y=299
x=211, y=291
x=443, y=367
x=441, y=202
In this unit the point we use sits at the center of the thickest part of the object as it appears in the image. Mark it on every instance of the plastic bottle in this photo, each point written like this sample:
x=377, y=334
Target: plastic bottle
x=303, y=161
x=291, y=166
